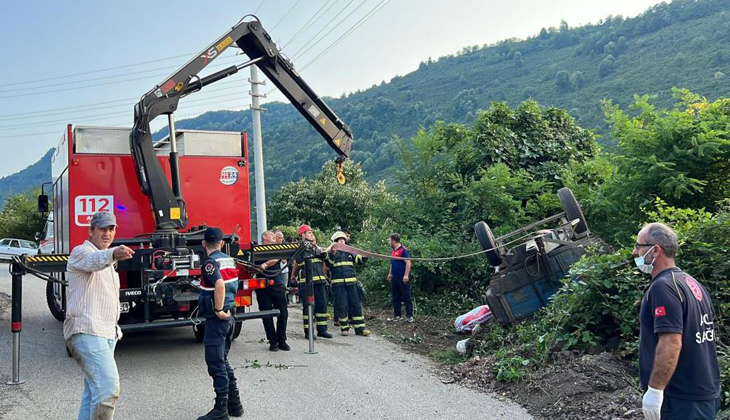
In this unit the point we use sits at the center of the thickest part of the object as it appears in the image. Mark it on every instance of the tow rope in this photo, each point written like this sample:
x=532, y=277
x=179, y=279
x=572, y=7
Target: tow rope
x=358, y=251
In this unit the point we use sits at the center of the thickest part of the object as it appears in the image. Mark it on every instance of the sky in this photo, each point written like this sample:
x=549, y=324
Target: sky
x=88, y=62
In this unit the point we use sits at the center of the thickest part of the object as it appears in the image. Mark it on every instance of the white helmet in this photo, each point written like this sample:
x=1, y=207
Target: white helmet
x=338, y=235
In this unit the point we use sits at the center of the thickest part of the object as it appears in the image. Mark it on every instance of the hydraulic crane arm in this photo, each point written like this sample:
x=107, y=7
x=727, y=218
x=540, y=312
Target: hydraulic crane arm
x=167, y=202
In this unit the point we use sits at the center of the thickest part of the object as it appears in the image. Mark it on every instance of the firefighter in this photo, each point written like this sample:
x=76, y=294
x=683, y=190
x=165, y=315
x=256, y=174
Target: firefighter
x=319, y=281
x=218, y=285
x=344, y=286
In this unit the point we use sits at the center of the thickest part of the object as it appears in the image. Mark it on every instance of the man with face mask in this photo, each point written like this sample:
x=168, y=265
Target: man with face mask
x=678, y=367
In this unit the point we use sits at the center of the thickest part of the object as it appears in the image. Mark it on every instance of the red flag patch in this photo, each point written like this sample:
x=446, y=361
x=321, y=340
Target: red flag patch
x=659, y=311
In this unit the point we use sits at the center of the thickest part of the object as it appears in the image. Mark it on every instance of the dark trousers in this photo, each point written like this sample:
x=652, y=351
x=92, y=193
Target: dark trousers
x=348, y=307
x=678, y=409
x=217, y=340
x=274, y=298
x=320, y=306
x=401, y=293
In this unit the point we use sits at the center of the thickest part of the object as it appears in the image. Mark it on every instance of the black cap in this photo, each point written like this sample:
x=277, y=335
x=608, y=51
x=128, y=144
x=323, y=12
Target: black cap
x=213, y=235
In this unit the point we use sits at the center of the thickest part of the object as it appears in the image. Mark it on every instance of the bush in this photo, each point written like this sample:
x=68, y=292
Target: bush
x=599, y=305
x=607, y=66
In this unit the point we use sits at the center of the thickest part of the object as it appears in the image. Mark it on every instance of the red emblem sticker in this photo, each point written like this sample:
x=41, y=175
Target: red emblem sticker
x=210, y=268
x=167, y=86
x=659, y=311
x=694, y=287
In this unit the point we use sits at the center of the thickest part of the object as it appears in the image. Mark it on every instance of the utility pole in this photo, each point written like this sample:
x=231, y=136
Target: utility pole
x=258, y=153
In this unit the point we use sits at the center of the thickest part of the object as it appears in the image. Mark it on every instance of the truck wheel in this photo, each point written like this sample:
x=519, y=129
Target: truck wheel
x=199, y=331
x=55, y=305
x=572, y=210
x=237, y=329
x=486, y=241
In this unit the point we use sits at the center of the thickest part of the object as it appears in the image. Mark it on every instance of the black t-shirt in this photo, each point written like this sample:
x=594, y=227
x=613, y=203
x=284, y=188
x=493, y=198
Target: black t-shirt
x=674, y=302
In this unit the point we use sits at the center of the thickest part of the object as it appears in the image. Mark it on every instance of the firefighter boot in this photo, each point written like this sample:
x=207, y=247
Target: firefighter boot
x=235, y=408
x=220, y=409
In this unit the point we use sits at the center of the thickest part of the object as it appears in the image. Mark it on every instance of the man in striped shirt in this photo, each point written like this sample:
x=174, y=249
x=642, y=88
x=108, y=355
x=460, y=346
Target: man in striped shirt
x=90, y=329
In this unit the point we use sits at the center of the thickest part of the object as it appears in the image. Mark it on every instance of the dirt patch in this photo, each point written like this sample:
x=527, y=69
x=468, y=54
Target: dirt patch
x=570, y=387
x=427, y=335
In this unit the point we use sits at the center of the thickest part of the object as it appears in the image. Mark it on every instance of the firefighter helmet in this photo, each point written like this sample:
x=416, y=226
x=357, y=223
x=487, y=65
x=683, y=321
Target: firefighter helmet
x=302, y=229
x=339, y=235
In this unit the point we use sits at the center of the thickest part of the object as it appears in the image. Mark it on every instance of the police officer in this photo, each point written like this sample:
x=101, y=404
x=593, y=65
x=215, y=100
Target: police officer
x=344, y=286
x=319, y=281
x=218, y=285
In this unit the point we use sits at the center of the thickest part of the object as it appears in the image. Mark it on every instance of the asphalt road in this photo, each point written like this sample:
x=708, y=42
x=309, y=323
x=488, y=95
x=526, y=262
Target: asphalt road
x=163, y=375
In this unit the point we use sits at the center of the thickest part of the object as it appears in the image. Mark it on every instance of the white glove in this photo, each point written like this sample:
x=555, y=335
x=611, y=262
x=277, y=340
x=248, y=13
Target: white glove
x=651, y=405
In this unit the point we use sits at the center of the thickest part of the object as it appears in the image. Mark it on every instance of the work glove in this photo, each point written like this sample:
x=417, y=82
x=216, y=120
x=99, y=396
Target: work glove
x=651, y=405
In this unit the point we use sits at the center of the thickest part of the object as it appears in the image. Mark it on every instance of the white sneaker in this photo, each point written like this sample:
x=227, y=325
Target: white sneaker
x=410, y=320
x=394, y=319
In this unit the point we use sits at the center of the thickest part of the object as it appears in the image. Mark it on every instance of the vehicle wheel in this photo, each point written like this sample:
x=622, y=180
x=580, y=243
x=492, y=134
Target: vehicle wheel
x=199, y=331
x=55, y=305
x=486, y=241
x=572, y=210
x=237, y=329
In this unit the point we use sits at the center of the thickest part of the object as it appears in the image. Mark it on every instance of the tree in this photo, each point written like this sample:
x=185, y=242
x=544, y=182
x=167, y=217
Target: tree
x=622, y=45
x=577, y=80
x=518, y=59
x=610, y=48
x=562, y=81
x=19, y=217
x=607, y=66
x=324, y=204
x=680, y=155
x=544, y=33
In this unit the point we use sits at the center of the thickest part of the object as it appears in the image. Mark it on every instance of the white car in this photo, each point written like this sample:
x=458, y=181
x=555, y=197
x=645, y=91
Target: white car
x=10, y=247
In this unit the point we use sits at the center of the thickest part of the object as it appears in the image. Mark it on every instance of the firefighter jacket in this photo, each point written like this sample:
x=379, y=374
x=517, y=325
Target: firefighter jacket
x=342, y=267
x=318, y=275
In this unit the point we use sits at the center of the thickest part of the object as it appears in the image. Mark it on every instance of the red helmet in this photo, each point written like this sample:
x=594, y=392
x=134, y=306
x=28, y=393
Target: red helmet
x=302, y=229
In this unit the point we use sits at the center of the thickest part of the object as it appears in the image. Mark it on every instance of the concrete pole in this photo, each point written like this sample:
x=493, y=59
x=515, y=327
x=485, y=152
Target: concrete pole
x=258, y=154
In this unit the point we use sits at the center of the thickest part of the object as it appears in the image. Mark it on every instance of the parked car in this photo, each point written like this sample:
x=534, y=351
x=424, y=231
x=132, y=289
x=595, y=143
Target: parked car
x=46, y=237
x=11, y=246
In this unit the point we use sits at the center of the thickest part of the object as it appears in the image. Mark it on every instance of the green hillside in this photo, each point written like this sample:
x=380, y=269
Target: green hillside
x=682, y=44
x=31, y=177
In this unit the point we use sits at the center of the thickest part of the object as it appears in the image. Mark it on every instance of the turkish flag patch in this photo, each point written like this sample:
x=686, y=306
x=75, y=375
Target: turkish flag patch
x=659, y=311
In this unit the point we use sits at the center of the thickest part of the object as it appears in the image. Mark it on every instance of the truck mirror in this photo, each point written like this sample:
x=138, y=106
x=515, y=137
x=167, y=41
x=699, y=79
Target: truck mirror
x=43, y=203
x=37, y=236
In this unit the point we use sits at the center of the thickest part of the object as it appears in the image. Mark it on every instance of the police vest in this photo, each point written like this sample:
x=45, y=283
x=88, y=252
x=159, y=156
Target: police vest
x=342, y=267
x=217, y=266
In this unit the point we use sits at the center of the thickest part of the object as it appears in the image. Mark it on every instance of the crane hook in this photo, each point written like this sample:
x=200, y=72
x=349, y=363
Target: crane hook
x=341, y=174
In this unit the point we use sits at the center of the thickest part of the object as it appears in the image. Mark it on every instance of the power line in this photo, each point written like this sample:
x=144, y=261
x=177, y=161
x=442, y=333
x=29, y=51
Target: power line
x=220, y=62
x=359, y=23
x=285, y=15
x=96, y=71
x=309, y=23
x=326, y=26
x=127, y=102
x=260, y=4
x=70, y=118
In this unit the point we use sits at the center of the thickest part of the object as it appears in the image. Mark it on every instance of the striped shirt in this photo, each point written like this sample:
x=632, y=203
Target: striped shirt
x=93, y=293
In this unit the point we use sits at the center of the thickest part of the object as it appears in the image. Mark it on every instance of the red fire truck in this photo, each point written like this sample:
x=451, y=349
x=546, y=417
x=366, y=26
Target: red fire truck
x=165, y=193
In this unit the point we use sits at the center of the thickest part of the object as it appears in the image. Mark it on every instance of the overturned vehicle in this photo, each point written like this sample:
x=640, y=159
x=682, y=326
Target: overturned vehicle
x=527, y=274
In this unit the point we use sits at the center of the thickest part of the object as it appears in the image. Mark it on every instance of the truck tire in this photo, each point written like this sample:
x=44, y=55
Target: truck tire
x=572, y=210
x=237, y=329
x=486, y=241
x=199, y=331
x=54, y=304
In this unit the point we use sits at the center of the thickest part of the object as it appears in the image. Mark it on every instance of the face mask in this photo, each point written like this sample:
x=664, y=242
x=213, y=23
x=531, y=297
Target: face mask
x=641, y=263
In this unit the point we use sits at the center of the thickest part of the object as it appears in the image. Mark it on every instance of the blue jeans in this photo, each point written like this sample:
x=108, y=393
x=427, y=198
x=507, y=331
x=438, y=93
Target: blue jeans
x=95, y=356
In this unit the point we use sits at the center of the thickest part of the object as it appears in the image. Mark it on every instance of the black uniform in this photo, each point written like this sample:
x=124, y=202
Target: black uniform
x=348, y=306
x=218, y=332
x=320, y=294
x=274, y=297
